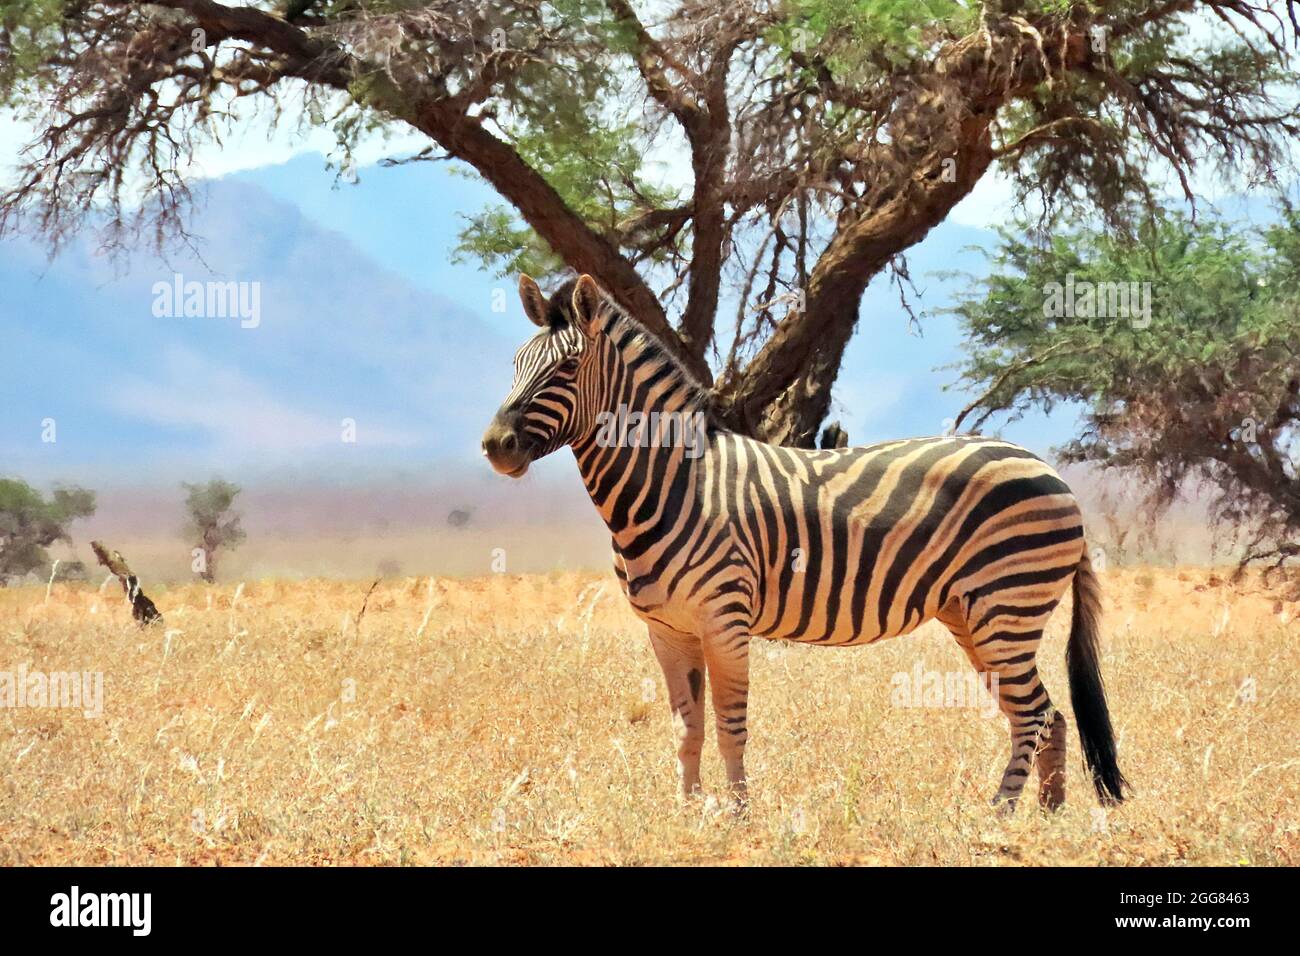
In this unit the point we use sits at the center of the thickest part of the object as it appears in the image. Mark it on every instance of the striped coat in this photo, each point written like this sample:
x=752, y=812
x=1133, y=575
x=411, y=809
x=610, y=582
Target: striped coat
x=719, y=539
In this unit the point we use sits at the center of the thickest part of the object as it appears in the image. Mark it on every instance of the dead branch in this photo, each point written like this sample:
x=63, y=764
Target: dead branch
x=142, y=609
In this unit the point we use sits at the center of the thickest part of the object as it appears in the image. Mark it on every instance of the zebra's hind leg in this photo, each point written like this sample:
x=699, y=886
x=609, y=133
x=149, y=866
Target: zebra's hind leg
x=1006, y=656
x=682, y=659
x=1009, y=657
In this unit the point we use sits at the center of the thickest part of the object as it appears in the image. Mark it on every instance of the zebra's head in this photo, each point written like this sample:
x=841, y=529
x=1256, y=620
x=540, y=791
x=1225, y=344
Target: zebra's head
x=553, y=369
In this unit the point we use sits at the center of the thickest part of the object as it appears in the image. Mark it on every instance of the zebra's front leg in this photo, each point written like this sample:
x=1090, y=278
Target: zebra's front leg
x=682, y=660
x=727, y=656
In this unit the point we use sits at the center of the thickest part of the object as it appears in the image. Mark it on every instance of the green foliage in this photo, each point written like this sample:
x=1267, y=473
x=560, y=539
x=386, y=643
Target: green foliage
x=208, y=507
x=1210, y=295
x=29, y=36
x=29, y=523
x=862, y=33
x=1171, y=390
x=559, y=116
x=597, y=170
x=212, y=523
x=566, y=122
x=497, y=238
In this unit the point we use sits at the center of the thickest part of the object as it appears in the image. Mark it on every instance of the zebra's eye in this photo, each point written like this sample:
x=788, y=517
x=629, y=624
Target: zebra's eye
x=569, y=366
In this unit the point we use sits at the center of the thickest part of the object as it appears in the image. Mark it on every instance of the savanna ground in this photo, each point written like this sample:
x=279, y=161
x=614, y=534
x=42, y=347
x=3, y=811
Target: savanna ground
x=521, y=720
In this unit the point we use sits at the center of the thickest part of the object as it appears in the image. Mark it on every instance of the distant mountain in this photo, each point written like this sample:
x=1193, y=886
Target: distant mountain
x=336, y=336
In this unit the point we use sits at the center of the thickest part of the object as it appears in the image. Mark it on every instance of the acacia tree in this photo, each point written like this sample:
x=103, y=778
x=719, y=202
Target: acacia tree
x=1196, y=379
x=213, y=524
x=824, y=137
x=29, y=524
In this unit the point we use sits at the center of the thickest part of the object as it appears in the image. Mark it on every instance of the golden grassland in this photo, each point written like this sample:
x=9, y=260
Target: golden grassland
x=521, y=720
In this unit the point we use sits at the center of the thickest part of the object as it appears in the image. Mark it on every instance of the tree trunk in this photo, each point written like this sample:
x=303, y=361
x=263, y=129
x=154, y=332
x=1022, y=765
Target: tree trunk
x=209, y=574
x=784, y=394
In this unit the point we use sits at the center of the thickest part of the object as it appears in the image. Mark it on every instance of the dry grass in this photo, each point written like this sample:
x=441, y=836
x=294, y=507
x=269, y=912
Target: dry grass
x=503, y=720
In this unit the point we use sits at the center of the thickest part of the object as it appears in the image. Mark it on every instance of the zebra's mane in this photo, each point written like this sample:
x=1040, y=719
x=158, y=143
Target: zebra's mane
x=638, y=344
x=641, y=346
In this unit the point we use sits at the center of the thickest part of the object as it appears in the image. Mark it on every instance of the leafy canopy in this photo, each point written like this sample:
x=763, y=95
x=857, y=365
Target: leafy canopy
x=211, y=519
x=1203, y=384
x=29, y=523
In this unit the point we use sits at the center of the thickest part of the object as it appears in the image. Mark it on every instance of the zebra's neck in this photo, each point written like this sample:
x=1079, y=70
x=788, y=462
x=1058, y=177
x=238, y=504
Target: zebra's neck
x=652, y=428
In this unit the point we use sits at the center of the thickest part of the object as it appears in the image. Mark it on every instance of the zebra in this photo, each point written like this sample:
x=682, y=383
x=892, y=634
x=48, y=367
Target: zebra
x=719, y=539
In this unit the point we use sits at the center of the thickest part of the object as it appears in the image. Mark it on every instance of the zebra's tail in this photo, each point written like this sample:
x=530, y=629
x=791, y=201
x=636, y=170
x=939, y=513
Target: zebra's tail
x=1087, y=692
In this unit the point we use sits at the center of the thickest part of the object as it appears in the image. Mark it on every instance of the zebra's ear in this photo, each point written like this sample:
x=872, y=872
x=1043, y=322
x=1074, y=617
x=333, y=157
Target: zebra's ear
x=586, y=302
x=535, y=306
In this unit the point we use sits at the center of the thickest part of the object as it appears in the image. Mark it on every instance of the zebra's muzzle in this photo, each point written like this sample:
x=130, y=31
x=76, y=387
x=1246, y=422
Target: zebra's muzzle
x=506, y=450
